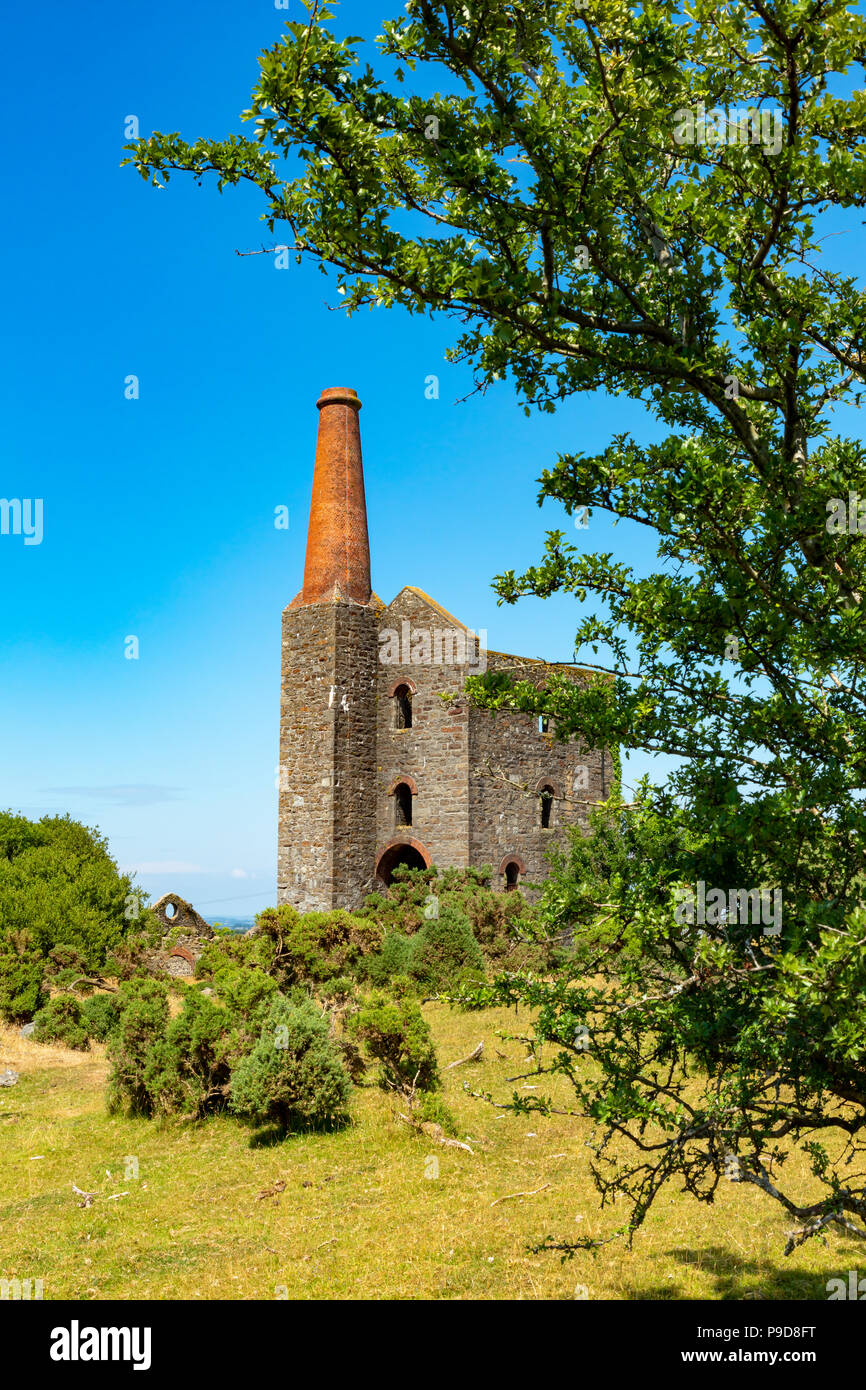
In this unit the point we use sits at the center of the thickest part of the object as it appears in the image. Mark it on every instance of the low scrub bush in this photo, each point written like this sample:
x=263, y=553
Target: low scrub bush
x=187, y=1070
x=246, y=992
x=393, y=959
x=443, y=949
x=396, y=1034
x=431, y=1109
x=401, y=908
x=294, y=1076
x=144, y=1016
x=61, y=1021
x=100, y=1014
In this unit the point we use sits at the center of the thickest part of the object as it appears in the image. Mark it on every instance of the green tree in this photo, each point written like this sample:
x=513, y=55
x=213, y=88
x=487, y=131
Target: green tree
x=584, y=198
x=22, y=975
x=59, y=884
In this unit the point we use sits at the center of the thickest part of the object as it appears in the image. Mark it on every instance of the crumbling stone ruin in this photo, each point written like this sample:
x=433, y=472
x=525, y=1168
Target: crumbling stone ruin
x=187, y=933
x=376, y=769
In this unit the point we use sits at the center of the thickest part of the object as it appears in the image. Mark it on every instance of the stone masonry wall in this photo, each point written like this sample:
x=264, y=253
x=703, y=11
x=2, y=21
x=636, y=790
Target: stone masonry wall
x=327, y=756
x=354, y=713
x=305, y=821
x=510, y=760
x=434, y=752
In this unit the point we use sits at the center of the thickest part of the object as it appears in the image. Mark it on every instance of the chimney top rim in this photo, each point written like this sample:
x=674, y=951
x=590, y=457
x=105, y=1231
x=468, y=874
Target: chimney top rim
x=338, y=395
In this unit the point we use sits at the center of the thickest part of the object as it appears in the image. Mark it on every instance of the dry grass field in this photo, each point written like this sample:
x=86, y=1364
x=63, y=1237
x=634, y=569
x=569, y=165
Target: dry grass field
x=360, y=1215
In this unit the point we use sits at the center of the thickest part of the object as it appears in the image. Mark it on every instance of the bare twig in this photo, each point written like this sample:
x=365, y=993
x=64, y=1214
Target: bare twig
x=510, y=1196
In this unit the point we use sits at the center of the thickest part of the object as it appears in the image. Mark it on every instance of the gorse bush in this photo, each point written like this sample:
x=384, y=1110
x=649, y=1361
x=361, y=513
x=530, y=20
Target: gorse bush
x=252, y=954
x=319, y=946
x=66, y=968
x=294, y=1076
x=269, y=1056
x=100, y=1014
x=441, y=952
x=62, y=1021
x=396, y=1033
x=394, y=935
x=187, y=1069
x=431, y=1109
x=291, y=949
x=393, y=959
x=401, y=908
x=444, y=949
x=144, y=1015
x=246, y=992
x=508, y=930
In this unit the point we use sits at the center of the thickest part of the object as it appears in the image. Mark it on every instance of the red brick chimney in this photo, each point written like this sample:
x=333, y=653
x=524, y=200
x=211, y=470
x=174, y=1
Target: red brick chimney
x=338, y=548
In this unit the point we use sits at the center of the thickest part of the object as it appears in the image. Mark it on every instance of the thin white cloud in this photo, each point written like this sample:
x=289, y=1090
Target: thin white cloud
x=239, y=873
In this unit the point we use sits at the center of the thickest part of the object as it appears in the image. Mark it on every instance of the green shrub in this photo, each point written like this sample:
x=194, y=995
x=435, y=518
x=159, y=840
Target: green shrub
x=396, y=1034
x=61, y=1021
x=401, y=908
x=402, y=986
x=320, y=946
x=467, y=980
x=444, y=948
x=188, y=1069
x=254, y=953
x=294, y=1076
x=341, y=990
x=393, y=959
x=100, y=1014
x=431, y=1109
x=246, y=992
x=144, y=1016
x=67, y=969
x=353, y=1057
x=21, y=981
x=505, y=925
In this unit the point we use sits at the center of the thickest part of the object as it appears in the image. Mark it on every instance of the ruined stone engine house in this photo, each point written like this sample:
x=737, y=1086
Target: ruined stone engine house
x=376, y=769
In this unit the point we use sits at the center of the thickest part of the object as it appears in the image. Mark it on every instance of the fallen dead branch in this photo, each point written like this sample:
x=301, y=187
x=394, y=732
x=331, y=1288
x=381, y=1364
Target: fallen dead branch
x=435, y=1132
x=90, y=1197
x=474, y=1056
x=510, y=1196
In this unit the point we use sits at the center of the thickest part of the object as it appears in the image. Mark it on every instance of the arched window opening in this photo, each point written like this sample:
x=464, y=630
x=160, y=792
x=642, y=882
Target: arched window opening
x=403, y=708
x=512, y=875
x=402, y=804
x=543, y=723
x=545, y=798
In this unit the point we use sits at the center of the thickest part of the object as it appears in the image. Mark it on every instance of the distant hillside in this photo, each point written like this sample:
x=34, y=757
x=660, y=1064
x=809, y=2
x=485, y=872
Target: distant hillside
x=235, y=923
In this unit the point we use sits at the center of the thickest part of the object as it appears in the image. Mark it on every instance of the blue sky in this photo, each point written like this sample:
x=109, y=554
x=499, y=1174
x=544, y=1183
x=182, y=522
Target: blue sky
x=158, y=512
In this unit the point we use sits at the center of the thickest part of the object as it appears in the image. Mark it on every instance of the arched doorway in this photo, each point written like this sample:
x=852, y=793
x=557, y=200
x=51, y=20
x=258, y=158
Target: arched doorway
x=403, y=852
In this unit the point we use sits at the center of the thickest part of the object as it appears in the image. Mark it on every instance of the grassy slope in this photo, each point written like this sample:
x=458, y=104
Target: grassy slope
x=358, y=1217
